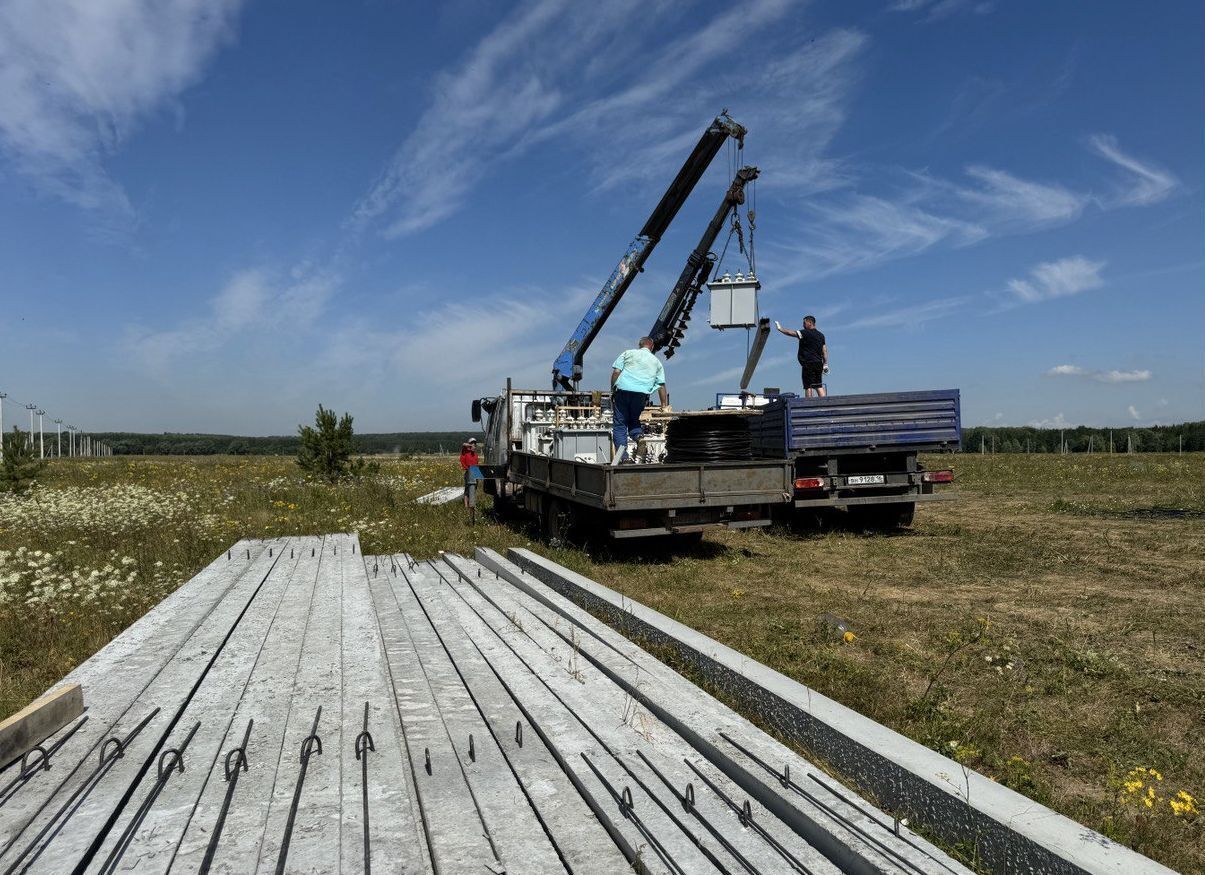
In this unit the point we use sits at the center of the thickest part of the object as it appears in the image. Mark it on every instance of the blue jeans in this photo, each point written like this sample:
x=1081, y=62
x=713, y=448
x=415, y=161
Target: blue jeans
x=626, y=407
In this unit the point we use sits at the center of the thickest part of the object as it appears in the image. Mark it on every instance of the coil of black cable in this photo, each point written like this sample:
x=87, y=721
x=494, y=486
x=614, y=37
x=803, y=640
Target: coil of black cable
x=709, y=439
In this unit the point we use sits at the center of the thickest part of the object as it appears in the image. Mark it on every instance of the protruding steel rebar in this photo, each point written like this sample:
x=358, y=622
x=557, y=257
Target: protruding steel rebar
x=171, y=760
x=77, y=798
x=687, y=798
x=628, y=809
x=839, y=817
x=308, y=745
x=239, y=755
x=745, y=815
x=363, y=745
x=42, y=764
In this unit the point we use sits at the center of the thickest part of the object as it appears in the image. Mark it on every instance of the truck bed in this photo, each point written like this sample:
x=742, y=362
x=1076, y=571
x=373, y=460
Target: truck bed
x=655, y=487
x=885, y=422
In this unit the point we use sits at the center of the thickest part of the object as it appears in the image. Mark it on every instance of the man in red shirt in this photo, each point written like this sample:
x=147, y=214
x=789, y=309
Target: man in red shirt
x=469, y=460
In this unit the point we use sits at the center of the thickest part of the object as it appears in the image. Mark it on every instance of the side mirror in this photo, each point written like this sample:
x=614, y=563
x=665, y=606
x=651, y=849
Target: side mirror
x=477, y=410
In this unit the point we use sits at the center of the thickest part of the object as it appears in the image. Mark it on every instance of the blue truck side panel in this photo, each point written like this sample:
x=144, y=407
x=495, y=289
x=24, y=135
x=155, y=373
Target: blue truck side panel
x=877, y=423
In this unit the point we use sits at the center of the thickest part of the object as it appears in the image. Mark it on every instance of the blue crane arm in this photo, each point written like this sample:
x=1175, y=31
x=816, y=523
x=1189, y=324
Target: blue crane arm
x=567, y=370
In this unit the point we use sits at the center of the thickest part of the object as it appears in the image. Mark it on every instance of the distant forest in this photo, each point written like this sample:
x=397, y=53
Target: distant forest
x=171, y=444
x=1189, y=436
x=999, y=439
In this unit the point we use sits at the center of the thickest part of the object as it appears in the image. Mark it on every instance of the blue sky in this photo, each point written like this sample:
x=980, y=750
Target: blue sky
x=215, y=214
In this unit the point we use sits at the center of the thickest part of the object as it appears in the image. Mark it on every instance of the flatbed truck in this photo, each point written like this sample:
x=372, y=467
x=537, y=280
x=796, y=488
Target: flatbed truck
x=859, y=452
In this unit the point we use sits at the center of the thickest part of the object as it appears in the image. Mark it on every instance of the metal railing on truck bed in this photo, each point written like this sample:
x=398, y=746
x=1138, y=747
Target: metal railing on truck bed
x=886, y=422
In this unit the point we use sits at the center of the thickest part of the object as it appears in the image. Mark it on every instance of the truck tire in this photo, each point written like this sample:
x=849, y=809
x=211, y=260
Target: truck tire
x=904, y=514
x=557, y=520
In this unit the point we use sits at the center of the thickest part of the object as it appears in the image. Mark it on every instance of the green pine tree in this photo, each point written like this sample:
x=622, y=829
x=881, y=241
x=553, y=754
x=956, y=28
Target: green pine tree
x=21, y=464
x=326, y=448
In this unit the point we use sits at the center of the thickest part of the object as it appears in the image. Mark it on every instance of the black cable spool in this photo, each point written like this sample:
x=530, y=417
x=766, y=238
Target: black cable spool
x=715, y=438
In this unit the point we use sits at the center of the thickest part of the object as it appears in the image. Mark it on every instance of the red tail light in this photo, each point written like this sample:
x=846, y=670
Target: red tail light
x=939, y=477
x=809, y=483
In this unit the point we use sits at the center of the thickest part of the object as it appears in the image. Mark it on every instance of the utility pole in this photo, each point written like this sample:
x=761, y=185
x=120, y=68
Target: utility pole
x=31, y=408
x=3, y=395
x=1181, y=445
x=1110, y=440
x=1090, y=444
x=41, y=435
x=58, y=453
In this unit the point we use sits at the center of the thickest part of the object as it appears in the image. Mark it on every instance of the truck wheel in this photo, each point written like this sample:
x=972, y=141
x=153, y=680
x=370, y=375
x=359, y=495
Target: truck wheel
x=557, y=520
x=904, y=514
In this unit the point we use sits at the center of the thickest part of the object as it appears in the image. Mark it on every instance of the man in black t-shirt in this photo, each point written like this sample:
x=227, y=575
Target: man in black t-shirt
x=813, y=355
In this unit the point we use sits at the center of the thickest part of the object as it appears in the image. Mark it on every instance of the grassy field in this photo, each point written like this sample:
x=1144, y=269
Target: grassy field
x=1047, y=629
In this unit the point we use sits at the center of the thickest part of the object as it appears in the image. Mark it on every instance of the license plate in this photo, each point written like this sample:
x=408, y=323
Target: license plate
x=865, y=480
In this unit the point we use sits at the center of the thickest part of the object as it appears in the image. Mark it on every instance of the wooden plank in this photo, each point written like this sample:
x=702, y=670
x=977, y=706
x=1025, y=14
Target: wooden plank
x=39, y=720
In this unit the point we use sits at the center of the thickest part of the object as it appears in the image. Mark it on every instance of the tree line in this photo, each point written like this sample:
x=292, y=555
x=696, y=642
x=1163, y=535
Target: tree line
x=1189, y=436
x=177, y=444
x=1001, y=439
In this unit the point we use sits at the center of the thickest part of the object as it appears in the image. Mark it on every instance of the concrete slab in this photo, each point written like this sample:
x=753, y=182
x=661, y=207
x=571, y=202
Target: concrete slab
x=347, y=713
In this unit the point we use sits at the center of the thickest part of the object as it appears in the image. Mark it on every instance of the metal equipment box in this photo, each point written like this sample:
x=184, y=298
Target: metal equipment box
x=734, y=301
x=592, y=446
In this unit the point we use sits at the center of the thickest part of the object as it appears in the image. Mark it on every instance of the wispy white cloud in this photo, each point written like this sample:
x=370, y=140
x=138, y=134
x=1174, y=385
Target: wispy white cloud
x=794, y=105
x=913, y=315
x=504, y=98
x=253, y=299
x=1133, y=411
x=936, y=10
x=1145, y=184
x=852, y=231
x=846, y=231
x=1109, y=376
x=1006, y=201
x=1057, y=279
x=77, y=77
x=1056, y=421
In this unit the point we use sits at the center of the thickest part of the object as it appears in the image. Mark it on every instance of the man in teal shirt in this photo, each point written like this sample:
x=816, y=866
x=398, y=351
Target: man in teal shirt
x=635, y=374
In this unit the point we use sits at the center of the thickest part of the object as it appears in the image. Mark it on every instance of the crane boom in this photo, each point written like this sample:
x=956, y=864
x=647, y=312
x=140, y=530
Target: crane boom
x=567, y=370
x=667, y=331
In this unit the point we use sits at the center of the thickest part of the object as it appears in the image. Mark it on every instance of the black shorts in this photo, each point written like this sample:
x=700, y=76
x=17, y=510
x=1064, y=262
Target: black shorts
x=813, y=375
